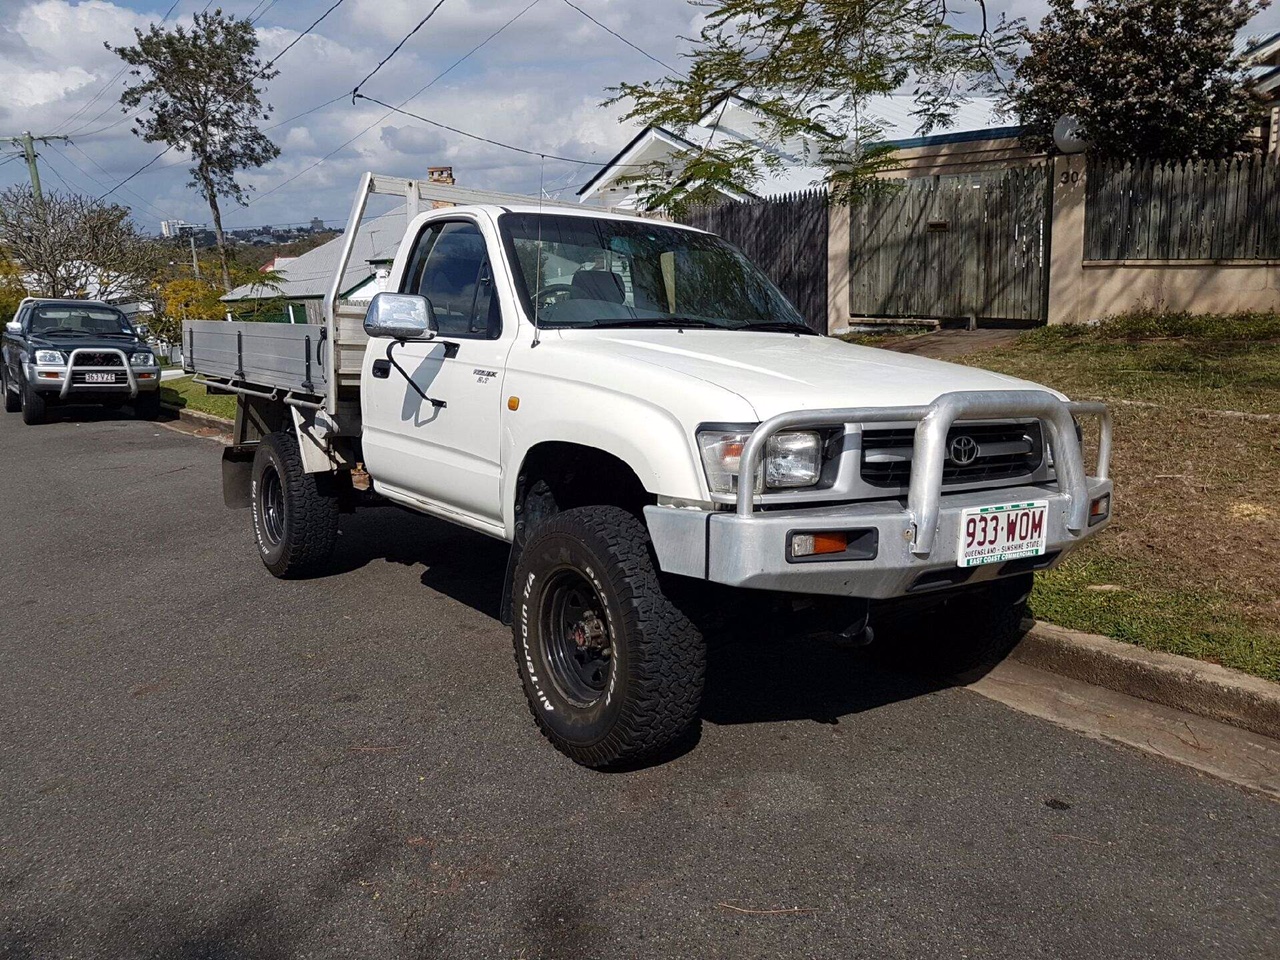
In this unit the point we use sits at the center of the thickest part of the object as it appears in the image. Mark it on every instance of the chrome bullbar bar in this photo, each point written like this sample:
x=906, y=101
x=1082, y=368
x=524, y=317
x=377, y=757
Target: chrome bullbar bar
x=929, y=454
x=71, y=368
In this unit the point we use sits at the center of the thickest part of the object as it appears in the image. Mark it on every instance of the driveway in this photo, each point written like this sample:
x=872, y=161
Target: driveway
x=200, y=761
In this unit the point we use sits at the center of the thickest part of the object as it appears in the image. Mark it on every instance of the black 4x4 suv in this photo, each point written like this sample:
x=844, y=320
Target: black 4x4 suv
x=75, y=351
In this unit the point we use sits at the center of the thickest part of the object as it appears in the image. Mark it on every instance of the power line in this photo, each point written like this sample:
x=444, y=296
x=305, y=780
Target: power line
x=266, y=66
x=638, y=49
x=496, y=143
x=430, y=13
x=155, y=211
x=439, y=76
x=106, y=86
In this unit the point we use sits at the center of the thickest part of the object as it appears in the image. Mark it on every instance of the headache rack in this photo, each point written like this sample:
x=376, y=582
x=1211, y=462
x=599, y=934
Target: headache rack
x=317, y=365
x=929, y=447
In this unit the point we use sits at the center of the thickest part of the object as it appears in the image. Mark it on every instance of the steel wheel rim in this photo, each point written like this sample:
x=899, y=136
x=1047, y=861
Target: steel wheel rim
x=577, y=639
x=273, y=513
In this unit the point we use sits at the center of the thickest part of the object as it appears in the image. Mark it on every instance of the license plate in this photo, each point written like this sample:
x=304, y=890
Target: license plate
x=99, y=378
x=997, y=534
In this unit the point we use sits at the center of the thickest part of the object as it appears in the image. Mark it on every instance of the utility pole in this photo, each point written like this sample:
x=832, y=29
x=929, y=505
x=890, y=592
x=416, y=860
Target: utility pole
x=195, y=264
x=28, y=144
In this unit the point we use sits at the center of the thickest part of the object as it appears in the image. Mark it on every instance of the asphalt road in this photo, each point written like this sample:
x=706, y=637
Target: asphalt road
x=198, y=761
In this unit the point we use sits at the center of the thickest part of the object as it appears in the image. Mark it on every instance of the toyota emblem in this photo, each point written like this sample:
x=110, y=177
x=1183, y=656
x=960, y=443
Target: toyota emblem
x=964, y=450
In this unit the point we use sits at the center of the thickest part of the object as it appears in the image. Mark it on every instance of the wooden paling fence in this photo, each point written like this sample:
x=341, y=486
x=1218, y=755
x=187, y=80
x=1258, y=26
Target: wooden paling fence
x=1191, y=210
x=952, y=246
x=786, y=237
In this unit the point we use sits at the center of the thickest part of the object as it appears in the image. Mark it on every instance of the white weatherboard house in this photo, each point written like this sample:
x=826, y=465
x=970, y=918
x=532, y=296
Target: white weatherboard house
x=740, y=120
x=306, y=278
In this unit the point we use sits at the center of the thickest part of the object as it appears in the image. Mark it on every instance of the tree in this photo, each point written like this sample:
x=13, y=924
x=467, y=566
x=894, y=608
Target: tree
x=1145, y=78
x=811, y=69
x=71, y=245
x=201, y=88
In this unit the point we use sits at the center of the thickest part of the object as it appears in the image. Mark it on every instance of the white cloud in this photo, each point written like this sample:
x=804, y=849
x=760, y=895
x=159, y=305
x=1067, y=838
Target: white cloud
x=538, y=86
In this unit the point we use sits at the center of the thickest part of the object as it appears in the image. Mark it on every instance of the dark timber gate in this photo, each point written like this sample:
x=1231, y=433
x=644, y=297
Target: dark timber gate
x=953, y=247
x=786, y=237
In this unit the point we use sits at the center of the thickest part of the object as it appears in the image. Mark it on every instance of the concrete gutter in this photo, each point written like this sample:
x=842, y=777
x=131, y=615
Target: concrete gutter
x=206, y=424
x=1205, y=689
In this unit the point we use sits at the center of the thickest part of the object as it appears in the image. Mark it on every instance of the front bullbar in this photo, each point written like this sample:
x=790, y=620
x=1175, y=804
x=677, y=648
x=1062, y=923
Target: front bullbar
x=924, y=496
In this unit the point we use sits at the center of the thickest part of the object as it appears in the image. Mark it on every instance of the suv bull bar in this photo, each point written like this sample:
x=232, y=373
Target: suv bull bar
x=72, y=369
x=929, y=453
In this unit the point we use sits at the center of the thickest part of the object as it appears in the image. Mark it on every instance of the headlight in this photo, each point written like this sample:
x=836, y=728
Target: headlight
x=51, y=358
x=142, y=360
x=790, y=460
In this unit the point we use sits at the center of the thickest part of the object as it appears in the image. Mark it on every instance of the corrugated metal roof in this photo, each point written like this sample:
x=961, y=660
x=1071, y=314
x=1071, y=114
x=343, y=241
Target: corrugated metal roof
x=310, y=274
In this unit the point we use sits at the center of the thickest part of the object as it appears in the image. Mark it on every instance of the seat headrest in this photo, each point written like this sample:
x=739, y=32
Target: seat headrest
x=598, y=285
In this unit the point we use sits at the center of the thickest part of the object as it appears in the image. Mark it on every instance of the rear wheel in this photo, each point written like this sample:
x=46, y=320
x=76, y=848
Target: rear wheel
x=612, y=670
x=12, y=401
x=295, y=513
x=33, y=405
x=971, y=628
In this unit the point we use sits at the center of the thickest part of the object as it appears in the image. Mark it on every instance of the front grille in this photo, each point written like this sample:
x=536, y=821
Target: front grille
x=99, y=360
x=1005, y=451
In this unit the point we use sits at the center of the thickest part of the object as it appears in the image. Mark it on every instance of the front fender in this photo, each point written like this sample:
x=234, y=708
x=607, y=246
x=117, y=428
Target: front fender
x=645, y=436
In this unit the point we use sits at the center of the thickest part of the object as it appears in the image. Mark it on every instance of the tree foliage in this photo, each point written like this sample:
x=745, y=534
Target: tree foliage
x=70, y=245
x=1145, y=78
x=200, y=87
x=811, y=68
x=187, y=297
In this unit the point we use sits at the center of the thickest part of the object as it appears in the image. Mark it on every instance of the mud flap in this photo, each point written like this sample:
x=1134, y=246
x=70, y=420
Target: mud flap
x=237, y=475
x=505, y=612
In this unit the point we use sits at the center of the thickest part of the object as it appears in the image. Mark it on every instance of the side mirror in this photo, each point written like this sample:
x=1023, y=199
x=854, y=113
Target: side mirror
x=400, y=316
x=14, y=327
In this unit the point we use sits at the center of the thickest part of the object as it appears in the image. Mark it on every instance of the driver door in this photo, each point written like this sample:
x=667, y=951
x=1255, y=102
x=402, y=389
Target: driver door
x=447, y=458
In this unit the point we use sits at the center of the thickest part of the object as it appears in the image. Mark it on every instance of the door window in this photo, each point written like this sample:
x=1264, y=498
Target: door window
x=450, y=267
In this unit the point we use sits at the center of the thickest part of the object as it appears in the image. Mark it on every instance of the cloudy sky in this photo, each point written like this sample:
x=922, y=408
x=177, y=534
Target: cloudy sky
x=537, y=84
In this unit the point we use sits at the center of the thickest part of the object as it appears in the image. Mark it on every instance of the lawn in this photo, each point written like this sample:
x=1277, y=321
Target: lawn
x=184, y=394
x=1191, y=561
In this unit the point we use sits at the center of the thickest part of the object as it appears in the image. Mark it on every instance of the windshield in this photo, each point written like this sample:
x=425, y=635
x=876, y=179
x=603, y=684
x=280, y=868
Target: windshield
x=69, y=318
x=612, y=273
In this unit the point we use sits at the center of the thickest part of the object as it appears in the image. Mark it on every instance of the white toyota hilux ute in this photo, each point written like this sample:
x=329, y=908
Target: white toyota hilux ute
x=664, y=443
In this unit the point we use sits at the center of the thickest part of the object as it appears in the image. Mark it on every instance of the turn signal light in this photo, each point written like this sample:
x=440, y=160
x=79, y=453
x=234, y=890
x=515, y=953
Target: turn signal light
x=1099, y=509
x=813, y=544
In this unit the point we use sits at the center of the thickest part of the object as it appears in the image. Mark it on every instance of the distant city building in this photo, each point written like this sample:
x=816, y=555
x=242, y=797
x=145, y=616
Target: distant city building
x=317, y=225
x=178, y=228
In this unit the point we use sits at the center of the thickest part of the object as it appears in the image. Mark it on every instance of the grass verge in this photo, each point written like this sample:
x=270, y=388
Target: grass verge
x=184, y=394
x=1191, y=562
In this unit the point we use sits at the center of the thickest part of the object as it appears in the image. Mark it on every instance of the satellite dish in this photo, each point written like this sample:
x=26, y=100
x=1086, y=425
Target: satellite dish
x=1067, y=135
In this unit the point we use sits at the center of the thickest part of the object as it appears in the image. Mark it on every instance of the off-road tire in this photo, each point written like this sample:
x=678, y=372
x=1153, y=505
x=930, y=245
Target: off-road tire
x=972, y=628
x=147, y=405
x=12, y=400
x=658, y=663
x=33, y=406
x=296, y=529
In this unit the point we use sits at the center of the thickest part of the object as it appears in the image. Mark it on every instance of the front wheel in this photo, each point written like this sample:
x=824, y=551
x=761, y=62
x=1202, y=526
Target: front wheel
x=12, y=401
x=147, y=405
x=612, y=670
x=33, y=405
x=295, y=513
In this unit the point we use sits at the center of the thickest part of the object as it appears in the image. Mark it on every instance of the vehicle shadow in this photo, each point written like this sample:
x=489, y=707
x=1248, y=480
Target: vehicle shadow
x=762, y=673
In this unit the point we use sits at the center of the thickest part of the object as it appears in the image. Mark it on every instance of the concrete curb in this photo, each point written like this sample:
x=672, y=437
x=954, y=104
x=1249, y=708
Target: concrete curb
x=1205, y=689
x=203, y=420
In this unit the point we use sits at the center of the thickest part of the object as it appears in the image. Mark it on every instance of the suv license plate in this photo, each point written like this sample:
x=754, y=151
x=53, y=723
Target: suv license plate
x=997, y=534
x=99, y=378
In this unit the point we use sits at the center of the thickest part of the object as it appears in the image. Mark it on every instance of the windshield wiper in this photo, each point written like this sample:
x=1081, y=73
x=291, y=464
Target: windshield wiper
x=659, y=322
x=780, y=326
x=45, y=333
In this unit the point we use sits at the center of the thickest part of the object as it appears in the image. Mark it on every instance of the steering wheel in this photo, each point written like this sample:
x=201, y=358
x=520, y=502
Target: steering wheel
x=552, y=294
